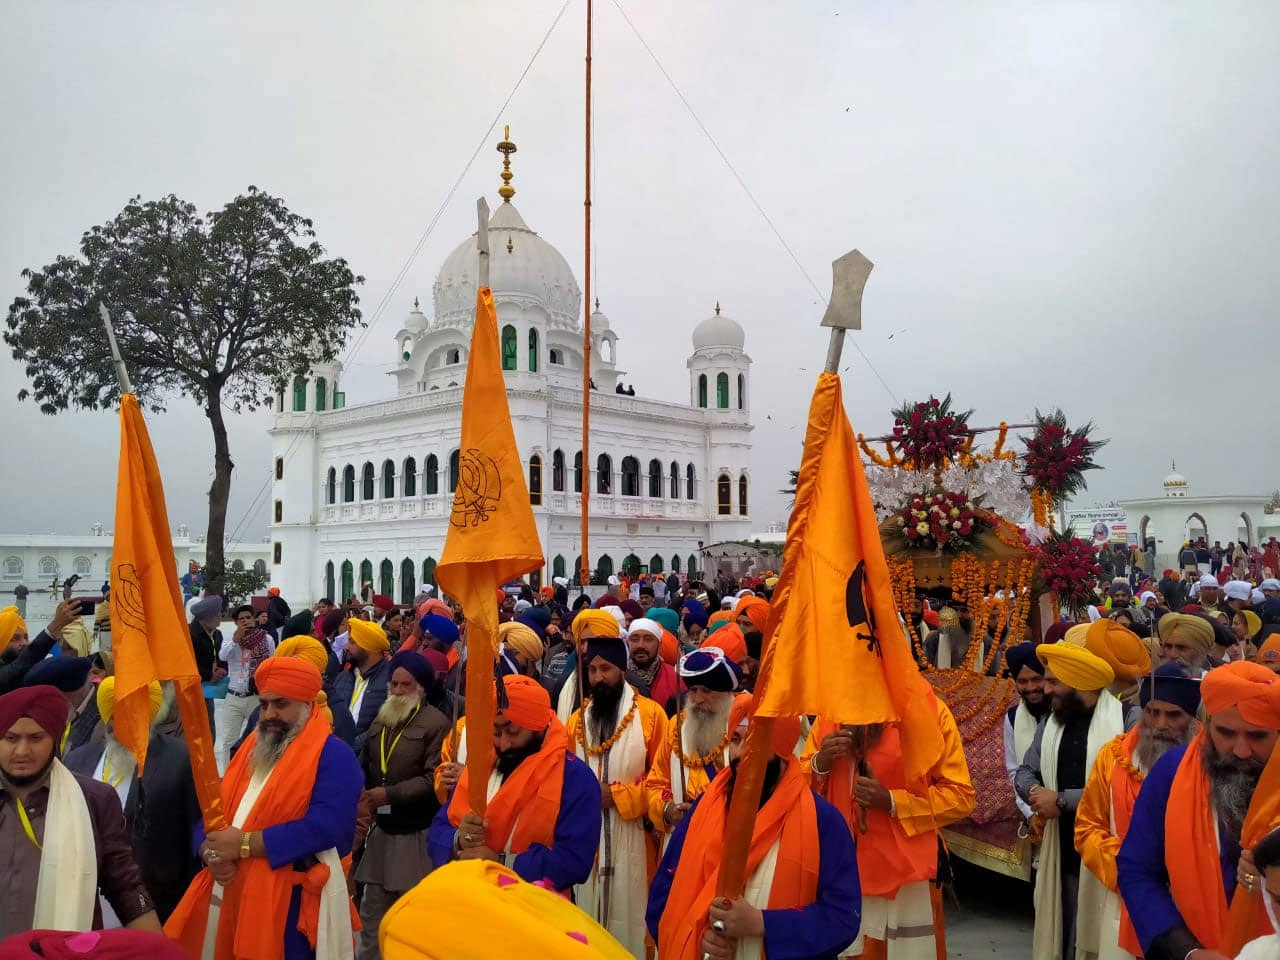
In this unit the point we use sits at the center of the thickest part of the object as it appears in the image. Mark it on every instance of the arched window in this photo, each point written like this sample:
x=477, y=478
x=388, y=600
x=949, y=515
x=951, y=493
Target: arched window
x=330, y=586
x=702, y=390
x=689, y=484
x=277, y=513
x=556, y=357
x=407, y=587
x=299, y=394
x=630, y=477
x=575, y=575
x=742, y=495
x=535, y=480
x=410, y=479
x=675, y=481
x=348, y=484
x=366, y=482
x=557, y=566
x=577, y=472
x=431, y=474
x=724, y=495
x=322, y=394
x=348, y=582
x=508, y=347
x=691, y=571
x=81, y=566
x=631, y=565
x=655, y=564
x=604, y=569
x=366, y=577
x=655, y=478
x=388, y=479
x=533, y=351
x=387, y=578
x=675, y=563
x=722, y=391
x=260, y=567
x=452, y=356
x=13, y=566
x=331, y=487
x=604, y=474
x=742, y=391
x=557, y=471
x=455, y=466
x=429, y=571
x=237, y=566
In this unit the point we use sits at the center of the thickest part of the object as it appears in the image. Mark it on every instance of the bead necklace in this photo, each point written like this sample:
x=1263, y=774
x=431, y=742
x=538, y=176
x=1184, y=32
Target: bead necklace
x=617, y=734
x=700, y=762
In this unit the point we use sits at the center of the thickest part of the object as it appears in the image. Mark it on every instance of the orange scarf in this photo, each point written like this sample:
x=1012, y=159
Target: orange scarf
x=1124, y=794
x=790, y=815
x=528, y=801
x=888, y=859
x=1191, y=856
x=266, y=892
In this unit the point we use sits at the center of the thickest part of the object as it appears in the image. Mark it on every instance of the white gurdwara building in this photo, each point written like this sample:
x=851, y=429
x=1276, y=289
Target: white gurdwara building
x=362, y=493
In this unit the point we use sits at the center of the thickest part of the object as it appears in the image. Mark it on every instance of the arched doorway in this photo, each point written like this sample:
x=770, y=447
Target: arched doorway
x=1248, y=528
x=407, y=587
x=1193, y=533
x=604, y=569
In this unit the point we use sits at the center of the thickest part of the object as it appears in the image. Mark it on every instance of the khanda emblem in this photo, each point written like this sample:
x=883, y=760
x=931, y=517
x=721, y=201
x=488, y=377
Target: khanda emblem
x=858, y=610
x=479, y=489
x=126, y=597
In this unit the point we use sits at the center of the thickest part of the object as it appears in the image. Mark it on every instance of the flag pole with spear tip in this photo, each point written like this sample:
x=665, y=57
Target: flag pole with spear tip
x=844, y=312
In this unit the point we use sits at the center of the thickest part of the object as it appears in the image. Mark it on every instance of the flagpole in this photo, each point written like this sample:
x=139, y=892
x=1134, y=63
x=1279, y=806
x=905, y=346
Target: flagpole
x=584, y=574
x=122, y=373
x=844, y=312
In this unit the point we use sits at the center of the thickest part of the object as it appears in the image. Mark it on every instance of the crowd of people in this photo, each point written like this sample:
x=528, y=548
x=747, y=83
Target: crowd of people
x=1135, y=747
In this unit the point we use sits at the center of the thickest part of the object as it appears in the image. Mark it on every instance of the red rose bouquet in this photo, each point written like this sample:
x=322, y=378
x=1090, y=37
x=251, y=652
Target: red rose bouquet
x=1057, y=457
x=940, y=521
x=930, y=433
x=1068, y=568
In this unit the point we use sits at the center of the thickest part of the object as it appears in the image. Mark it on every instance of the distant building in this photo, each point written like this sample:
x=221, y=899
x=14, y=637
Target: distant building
x=362, y=493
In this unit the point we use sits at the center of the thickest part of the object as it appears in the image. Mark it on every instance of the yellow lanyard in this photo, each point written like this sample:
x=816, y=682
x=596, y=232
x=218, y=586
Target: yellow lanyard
x=106, y=775
x=382, y=745
x=26, y=824
x=62, y=746
x=360, y=684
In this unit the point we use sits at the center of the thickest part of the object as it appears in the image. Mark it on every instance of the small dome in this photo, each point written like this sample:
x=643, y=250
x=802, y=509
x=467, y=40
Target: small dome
x=718, y=331
x=1175, y=479
x=417, y=320
x=599, y=322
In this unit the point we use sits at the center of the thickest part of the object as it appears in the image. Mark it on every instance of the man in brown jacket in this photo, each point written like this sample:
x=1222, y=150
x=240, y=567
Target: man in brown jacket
x=399, y=759
x=63, y=841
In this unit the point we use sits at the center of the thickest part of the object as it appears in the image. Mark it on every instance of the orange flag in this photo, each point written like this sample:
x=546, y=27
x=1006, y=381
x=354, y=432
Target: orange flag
x=838, y=649
x=492, y=537
x=149, y=633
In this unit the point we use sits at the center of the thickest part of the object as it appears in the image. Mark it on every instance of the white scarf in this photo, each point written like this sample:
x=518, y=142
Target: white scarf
x=759, y=886
x=1109, y=916
x=67, y=887
x=622, y=842
x=1107, y=722
x=1024, y=730
x=567, y=702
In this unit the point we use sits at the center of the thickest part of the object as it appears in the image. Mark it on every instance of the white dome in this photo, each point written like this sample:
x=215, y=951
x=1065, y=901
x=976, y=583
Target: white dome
x=718, y=331
x=1175, y=479
x=531, y=272
x=599, y=322
x=417, y=320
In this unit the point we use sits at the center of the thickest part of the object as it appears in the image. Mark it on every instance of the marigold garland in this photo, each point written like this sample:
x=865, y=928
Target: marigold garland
x=607, y=745
x=699, y=762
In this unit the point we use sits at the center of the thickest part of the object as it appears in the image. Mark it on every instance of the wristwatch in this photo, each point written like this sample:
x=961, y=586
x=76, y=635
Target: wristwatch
x=246, y=839
x=1062, y=802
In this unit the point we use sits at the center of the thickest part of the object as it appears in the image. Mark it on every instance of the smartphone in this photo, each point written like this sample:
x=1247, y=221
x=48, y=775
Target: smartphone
x=88, y=605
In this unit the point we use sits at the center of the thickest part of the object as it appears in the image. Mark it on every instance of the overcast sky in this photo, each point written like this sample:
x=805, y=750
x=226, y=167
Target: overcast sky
x=1067, y=204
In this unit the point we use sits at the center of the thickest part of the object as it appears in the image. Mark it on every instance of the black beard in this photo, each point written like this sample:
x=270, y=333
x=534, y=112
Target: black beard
x=755, y=643
x=1068, y=708
x=1038, y=710
x=21, y=782
x=1231, y=784
x=508, y=760
x=772, y=773
x=605, y=699
x=9, y=655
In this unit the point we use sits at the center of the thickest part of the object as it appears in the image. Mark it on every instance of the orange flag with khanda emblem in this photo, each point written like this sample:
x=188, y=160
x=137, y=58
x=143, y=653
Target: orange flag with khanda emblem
x=492, y=537
x=838, y=648
x=149, y=633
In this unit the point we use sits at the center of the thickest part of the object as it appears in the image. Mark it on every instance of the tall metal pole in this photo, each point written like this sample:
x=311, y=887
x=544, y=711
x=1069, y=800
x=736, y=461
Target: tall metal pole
x=585, y=570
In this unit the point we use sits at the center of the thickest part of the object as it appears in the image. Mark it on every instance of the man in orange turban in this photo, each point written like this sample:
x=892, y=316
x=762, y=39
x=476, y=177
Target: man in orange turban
x=802, y=896
x=1124, y=652
x=1201, y=809
x=274, y=883
x=543, y=816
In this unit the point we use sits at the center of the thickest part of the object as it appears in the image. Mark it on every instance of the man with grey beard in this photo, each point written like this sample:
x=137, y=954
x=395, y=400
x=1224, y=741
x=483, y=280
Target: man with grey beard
x=161, y=811
x=1169, y=700
x=399, y=760
x=1180, y=862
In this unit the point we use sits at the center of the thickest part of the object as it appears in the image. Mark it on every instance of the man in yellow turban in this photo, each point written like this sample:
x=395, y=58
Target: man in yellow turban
x=522, y=645
x=17, y=653
x=161, y=810
x=588, y=623
x=1084, y=715
x=1124, y=652
x=363, y=687
x=1186, y=638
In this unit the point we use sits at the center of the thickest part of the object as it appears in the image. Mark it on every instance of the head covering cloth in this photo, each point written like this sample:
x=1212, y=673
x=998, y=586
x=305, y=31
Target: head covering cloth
x=1076, y=666
x=1250, y=687
x=600, y=623
x=290, y=677
x=368, y=636
x=107, y=698
x=417, y=666
x=1123, y=650
x=522, y=639
x=1023, y=655
x=306, y=648
x=439, y=628
x=528, y=703
x=10, y=623
x=1187, y=626
x=42, y=703
x=1170, y=684
x=68, y=674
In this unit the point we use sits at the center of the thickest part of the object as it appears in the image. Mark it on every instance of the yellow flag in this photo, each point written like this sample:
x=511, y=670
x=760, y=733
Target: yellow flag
x=149, y=633
x=492, y=537
x=837, y=646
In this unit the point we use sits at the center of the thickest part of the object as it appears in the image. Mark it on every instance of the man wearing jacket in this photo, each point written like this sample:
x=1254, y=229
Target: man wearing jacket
x=363, y=688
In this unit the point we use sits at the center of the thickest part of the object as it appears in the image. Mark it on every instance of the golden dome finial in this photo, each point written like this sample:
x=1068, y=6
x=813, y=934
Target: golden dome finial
x=506, y=148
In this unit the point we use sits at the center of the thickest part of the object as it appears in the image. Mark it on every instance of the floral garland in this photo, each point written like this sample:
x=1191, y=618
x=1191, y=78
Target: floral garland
x=1069, y=569
x=1057, y=456
x=941, y=521
x=607, y=745
x=930, y=434
x=699, y=762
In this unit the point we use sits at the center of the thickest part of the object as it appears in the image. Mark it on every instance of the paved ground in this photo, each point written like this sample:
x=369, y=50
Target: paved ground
x=993, y=919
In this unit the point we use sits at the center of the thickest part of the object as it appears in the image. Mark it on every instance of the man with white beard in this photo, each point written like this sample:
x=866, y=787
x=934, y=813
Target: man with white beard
x=161, y=810
x=1169, y=700
x=619, y=738
x=290, y=795
x=697, y=741
x=399, y=761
